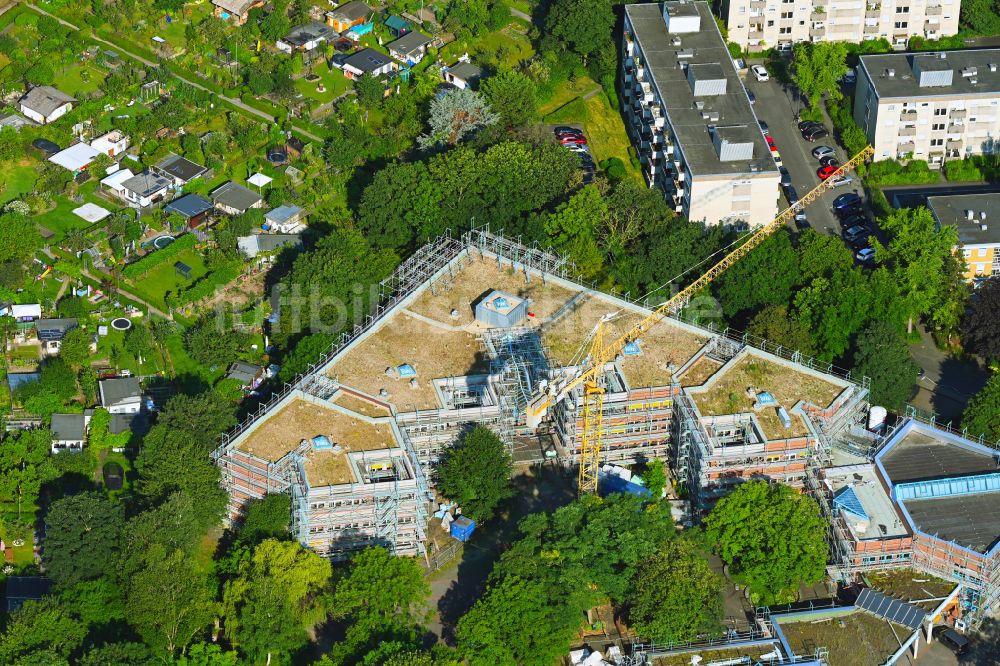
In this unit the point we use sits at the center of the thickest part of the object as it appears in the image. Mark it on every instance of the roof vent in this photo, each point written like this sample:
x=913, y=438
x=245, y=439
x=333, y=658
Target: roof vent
x=973, y=80
x=890, y=73
x=982, y=215
x=982, y=227
x=699, y=104
x=993, y=67
x=685, y=54
x=970, y=214
x=943, y=55
x=676, y=41
x=969, y=72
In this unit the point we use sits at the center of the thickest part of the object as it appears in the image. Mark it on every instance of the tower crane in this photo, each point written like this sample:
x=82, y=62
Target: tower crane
x=601, y=354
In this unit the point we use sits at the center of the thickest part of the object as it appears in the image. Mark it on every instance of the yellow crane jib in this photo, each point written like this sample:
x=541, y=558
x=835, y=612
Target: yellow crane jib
x=600, y=356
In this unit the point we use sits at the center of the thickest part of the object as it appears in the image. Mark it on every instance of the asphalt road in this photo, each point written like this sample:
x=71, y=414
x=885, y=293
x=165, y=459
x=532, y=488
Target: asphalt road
x=776, y=107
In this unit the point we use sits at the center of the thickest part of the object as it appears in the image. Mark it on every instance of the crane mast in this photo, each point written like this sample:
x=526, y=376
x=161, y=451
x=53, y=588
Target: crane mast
x=600, y=355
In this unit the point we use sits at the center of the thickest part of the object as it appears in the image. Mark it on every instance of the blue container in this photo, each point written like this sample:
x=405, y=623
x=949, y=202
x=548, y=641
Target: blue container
x=462, y=528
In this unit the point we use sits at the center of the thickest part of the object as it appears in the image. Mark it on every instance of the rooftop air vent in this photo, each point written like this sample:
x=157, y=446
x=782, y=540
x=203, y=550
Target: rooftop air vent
x=970, y=214
x=699, y=104
x=943, y=55
x=983, y=227
x=890, y=73
x=982, y=215
x=969, y=72
x=676, y=41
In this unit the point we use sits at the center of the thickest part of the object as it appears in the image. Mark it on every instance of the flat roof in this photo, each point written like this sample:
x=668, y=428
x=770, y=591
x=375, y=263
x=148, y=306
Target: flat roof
x=76, y=157
x=972, y=521
x=663, y=58
x=303, y=417
x=918, y=453
x=953, y=209
x=905, y=81
x=867, y=487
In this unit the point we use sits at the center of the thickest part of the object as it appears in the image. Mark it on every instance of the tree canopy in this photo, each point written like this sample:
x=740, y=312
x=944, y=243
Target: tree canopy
x=772, y=537
x=981, y=326
x=475, y=473
x=882, y=355
x=982, y=415
x=81, y=537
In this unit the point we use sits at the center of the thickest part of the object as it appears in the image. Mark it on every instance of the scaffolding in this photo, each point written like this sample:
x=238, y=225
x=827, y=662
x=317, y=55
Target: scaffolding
x=518, y=366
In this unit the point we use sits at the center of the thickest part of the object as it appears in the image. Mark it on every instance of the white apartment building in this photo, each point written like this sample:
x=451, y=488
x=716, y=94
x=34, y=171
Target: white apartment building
x=760, y=24
x=690, y=118
x=930, y=106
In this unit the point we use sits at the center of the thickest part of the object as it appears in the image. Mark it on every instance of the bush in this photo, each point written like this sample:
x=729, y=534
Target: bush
x=851, y=135
x=963, y=170
x=573, y=111
x=206, y=286
x=891, y=172
x=614, y=168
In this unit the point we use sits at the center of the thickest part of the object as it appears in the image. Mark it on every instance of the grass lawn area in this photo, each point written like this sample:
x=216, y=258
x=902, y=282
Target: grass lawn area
x=23, y=555
x=150, y=365
x=79, y=78
x=155, y=284
x=61, y=219
x=566, y=93
x=127, y=478
x=507, y=42
x=17, y=178
x=603, y=125
x=185, y=366
x=334, y=81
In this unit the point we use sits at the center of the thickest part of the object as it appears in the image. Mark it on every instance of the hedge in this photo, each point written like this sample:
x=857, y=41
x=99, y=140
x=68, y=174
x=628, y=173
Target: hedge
x=963, y=170
x=157, y=257
x=891, y=172
x=206, y=285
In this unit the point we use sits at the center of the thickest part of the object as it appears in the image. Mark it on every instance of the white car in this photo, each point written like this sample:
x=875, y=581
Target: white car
x=819, y=152
x=842, y=180
x=760, y=72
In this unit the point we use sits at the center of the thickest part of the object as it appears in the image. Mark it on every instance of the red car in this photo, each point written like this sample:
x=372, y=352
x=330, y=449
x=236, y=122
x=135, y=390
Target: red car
x=771, y=144
x=825, y=172
x=573, y=139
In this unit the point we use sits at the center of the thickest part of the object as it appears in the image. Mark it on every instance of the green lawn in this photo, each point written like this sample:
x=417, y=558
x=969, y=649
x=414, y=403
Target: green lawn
x=334, y=81
x=23, y=555
x=506, y=46
x=61, y=219
x=155, y=284
x=116, y=339
x=17, y=178
x=79, y=78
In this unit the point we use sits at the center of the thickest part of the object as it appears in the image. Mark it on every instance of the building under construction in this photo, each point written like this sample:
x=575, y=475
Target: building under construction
x=466, y=332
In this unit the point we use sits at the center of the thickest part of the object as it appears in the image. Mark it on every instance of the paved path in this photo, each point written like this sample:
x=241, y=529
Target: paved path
x=517, y=13
x=232, y=100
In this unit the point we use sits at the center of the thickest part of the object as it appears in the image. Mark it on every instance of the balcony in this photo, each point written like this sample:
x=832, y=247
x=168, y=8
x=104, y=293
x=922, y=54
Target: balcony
x=905, y=148
x=873, y=14
x=817, y=31
x=871, y=29
x=953, y=144
x=908, y=115
x=933, y=10
x=907, y=131
x=957, y=114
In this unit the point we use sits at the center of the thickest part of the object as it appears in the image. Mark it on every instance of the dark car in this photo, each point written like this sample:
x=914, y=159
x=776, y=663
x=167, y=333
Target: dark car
x=764, y=128
x=815, y=134
x=46, y=146
x=855, y=232
x=791, y=195
x=830, y=160
x=860, y=242
x=847, y=201
x=806, y=124
x=566, y=131
x=952, y=640
x=786, y=177
x=800, y=221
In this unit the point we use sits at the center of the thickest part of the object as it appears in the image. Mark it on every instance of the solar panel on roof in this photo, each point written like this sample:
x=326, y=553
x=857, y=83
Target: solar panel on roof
x=890, y=609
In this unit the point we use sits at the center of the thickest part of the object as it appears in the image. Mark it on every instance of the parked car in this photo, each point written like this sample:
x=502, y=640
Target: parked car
x=800, y=220
x=764, y=128
x=820, y=152
x=750, y=96
x=786, y=177
x=847, y=201
x=825, y=172
x=760, y=72
x=853, y=220
x=829, y=160
x=566, y=129
x=952, y=640
x=791, y=195
x=806, y=124
x=842, y=179
x=815, y=134
x=855, y=233
x=572, y=139
x=865, y=256
x=861, y=242
x=850, y=77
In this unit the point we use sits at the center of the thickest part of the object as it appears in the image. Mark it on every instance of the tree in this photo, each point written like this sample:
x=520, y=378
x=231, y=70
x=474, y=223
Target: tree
x=119, y=654
x=275, y=599
x=772, y=537
x=306, y=351
x=511, y=94
x=170, y=600
x=370, y=90
x=380, y=594
x=981, y=326
x=25, y=464
x=454, y=116
x=81, y=537
x=582, y=25
x=982, y=415
x=74, y=349
x=18, y=237
x=72, y=307
x=881, y=353
x=95, y=602
x=211, y=344
x=572, y=229
x=266, y=518
x=779, y=327
x=917, y=253
x=818, y=67
x=676, y=596
x=44, y=625
x=475, y=473
x=59, y=378
x=207, y=654
x=655, y=478
x=765, y=277
x=822, y=255
x=980, y=16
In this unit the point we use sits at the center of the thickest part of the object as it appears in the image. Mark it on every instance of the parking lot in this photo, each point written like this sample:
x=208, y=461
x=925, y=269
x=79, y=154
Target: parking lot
x=776, y=107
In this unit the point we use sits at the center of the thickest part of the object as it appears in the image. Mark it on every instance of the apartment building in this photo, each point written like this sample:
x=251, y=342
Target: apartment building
x=690, y=118
x=977, y=218
x=759, y=24
x=929, y=106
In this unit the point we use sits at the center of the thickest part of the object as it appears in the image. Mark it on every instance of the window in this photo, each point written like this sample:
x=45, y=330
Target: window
x=786, y=15
x=770, y=24
x=981, y=252
x=940, y=112
x=937, y=142
x=937, y=127
x=902, y=10
x=901, y=24
x=785, y=31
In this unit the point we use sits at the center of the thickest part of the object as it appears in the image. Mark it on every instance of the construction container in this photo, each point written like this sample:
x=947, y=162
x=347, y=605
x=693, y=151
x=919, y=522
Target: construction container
x=462, y=528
